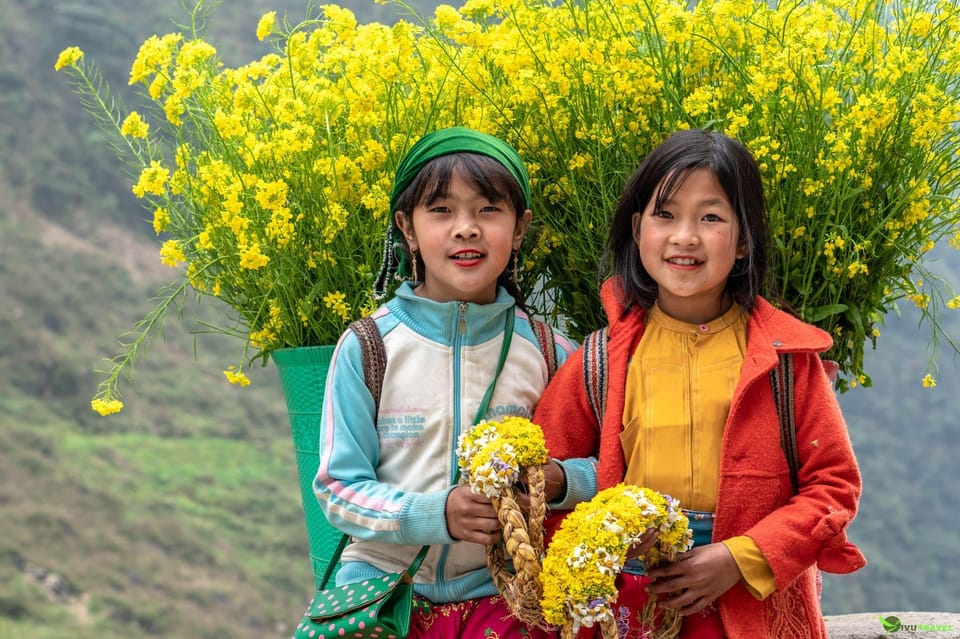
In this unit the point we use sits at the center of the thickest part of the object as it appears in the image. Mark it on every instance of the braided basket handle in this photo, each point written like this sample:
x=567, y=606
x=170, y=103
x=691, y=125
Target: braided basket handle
x=523, y=543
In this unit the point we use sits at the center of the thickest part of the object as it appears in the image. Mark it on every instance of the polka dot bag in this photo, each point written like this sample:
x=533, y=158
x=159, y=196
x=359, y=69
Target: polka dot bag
x=373, y=609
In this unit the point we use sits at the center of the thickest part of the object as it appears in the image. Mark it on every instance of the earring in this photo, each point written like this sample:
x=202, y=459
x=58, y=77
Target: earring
x=516, y=276
x=413, y=267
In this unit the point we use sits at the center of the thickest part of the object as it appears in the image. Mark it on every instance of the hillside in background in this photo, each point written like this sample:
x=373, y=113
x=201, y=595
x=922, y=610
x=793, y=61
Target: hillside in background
x=181, y=516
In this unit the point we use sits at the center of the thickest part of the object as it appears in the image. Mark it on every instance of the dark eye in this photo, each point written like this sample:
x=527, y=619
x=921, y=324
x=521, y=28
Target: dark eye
x=712, y=217
x=662, y=213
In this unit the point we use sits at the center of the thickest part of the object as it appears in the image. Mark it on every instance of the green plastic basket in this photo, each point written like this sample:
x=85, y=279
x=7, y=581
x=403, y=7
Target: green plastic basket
x=303, y=375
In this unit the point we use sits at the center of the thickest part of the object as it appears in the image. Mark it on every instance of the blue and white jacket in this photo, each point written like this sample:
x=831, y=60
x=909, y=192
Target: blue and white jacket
x=384, y=478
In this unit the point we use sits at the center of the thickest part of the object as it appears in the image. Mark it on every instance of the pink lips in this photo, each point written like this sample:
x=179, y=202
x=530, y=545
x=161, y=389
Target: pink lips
x=467, y=258
x=683, y=261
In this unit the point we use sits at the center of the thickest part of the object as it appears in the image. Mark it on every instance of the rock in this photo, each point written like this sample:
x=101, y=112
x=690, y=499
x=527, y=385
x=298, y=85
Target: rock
x=903, y=625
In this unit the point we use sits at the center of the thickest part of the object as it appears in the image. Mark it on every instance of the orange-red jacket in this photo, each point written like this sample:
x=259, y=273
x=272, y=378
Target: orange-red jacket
x=796, y=532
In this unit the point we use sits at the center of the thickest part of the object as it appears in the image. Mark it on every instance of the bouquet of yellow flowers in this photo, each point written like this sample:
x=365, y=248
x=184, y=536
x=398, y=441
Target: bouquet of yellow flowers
x=493, y=457
x=588, y=552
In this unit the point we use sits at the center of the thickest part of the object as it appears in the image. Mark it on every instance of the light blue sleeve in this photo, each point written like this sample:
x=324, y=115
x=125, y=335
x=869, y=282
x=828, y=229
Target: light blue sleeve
x=581, y=474
x=346, y=484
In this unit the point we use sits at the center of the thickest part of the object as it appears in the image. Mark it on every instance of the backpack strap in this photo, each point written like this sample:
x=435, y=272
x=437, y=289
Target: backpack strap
x=374, y=356
x=781, y=379
x=548, y=347
x=595, y=371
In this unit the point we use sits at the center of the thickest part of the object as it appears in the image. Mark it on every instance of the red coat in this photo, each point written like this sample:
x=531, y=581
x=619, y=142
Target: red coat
x=755, y=498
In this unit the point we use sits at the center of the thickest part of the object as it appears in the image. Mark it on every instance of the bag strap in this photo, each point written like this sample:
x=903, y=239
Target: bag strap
x=504, y=350
x=595, y=371
x=374, y=356
x=544, y=334
x=345, y=539
x=781, y=379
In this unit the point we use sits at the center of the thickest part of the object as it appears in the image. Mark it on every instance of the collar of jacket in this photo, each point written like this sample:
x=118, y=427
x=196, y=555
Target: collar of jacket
x=446, y=321
x=770, y=329
x=770, y=332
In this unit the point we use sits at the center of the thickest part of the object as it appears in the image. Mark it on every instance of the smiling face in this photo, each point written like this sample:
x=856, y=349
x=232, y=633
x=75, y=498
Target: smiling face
x=465, y=241
x=688, y=246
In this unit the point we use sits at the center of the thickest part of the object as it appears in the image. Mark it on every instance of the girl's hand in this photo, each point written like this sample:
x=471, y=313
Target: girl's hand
x=696, y=580
x=471, y=517
x=643, y=546
x=554, y=486
x=554, y=481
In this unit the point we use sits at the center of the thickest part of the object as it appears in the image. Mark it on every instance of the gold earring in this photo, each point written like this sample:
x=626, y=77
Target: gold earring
x=413, y=267
x=516, y=276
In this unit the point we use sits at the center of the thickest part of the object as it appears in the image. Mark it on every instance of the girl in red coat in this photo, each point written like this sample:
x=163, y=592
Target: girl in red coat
x=690, y=408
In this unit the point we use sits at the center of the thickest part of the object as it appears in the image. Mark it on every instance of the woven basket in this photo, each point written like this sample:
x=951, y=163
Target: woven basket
x=303, y=376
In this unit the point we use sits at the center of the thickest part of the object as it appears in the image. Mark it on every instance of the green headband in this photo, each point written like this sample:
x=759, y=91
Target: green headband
x=457, y=140
x=430, y=147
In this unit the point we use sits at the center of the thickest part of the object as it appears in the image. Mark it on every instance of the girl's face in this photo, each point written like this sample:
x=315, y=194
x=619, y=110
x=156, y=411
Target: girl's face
x=465, y=242
x=689, y=247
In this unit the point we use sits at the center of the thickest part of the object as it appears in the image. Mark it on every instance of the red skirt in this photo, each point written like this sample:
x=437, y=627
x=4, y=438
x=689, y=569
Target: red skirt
x=484, y=618
x=631, y=600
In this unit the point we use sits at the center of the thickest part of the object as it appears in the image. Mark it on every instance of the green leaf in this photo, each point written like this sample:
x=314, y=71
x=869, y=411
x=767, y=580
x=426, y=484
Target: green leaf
x=818, y=314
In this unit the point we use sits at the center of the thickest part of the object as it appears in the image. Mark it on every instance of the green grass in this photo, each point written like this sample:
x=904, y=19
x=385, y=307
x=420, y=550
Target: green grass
x=170, y=537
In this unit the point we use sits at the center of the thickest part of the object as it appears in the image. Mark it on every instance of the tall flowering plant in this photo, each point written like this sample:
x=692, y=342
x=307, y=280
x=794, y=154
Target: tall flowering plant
x=269, y=182
x=849, y=107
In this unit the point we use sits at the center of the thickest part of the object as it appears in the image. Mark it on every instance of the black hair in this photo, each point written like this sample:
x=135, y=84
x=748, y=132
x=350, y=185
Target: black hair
x=669, y=165
x=486, y=175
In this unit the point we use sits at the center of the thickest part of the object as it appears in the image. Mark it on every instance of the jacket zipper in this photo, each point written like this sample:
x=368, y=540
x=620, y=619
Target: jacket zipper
x=457, y=343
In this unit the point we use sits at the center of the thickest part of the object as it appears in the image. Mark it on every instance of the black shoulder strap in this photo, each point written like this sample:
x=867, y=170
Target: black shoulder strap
x=548, y=347
x=595, y=371
x=781, y=379
x=374, y=355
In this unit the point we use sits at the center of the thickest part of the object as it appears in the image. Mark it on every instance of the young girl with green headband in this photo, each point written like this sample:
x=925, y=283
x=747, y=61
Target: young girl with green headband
x=460, y=348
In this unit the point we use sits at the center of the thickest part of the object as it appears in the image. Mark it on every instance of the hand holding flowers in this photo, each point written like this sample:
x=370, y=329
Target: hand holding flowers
x=493, y=457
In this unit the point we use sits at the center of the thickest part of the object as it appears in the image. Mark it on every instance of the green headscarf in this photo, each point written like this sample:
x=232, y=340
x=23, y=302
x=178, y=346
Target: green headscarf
x=430, y=147
x=457, y=140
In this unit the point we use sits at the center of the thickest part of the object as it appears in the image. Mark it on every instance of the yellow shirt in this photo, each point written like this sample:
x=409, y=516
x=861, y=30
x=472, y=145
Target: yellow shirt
x=679, y=385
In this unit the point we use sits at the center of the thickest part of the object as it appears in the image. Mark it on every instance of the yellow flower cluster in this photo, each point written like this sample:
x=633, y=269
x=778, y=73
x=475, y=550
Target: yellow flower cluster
x=276, y=190
x=492, y=454
x=850, y=110
x=236, y=376
x=106, y=407
x=589, y=549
